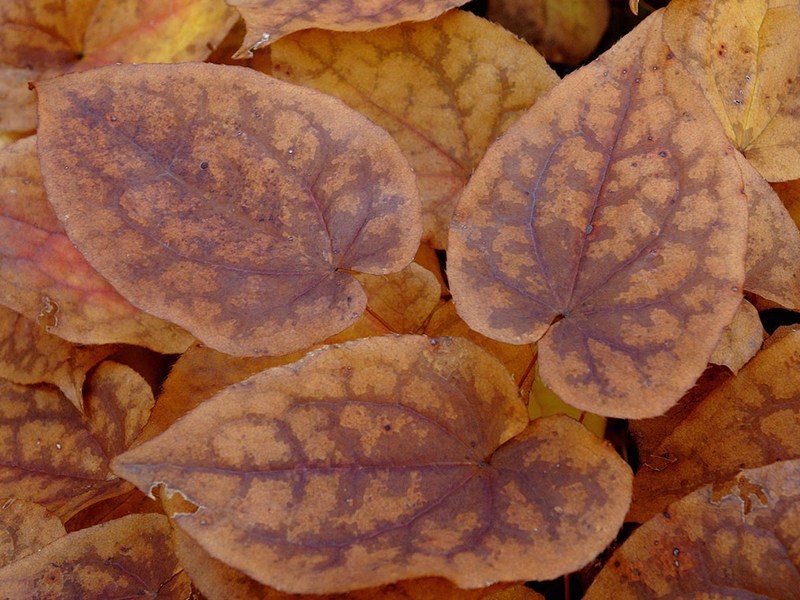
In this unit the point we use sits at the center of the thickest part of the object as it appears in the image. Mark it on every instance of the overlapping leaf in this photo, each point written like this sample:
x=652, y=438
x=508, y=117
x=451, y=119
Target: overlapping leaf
x=740, y=340
x=381, y=460
x=25, y=527
x=269, y=20
x=444, y=89
x=610, y=222
x=736, y=539
x=44, y=277
x=226, y=201
x=126, y=558
x=751, y=420
x=746, y=57
x=42, y=39
x=57, y=457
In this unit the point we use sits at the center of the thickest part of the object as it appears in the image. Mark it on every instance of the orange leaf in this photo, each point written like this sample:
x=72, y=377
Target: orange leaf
x=41, y=40
x=735, y=539
x=789, y=193
x=226, y=201
x=59, y=458
x=749, y=421
x=25, y=527
x=564, y=32
x=269, y=20
x=384, y=459
x=444, y=89
x=30, y=355
x=746, y=57
x=740, y=340
x=46, y=279
x=126, y=558
x=609, y=222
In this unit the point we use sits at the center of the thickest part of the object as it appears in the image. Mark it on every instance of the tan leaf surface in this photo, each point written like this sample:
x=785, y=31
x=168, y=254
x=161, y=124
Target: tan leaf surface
x=609, y=221
x=378, y=461
x=740, y=340
x=42, y=39
x=28, y=355
x=772, y=260
x=564, y=32
x=269, y=20
x=746, y=57
x=402, y=301
x=739, y=538
x=44, y=277
x=789, y=193
x=218, y=581
x=444, y=89
x=749, y=421
x=57, y=457
x=126, y=558
x=25, y=527
x=178, y=187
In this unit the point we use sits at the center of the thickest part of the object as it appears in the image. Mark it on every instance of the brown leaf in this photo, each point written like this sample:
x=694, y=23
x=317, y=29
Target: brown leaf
x=57, y=457
x=25, y=527
x=377, y=461
x=178, y=186
x=126, y=558
x=44, y=277
x=30, y=355
x=269, y=20
x=772, y=260
x=746, y=57
x=610, y=222
x=736, y=539
x=749, y=421
x=789, y=193
x=217, y=581
x=444, y=89
x=564, y=32
x=740, y=340
x=131, y=502
x=42, y=39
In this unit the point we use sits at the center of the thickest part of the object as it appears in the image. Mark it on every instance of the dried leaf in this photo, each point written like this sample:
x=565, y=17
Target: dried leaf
x=376, y=462
x=269, y=20
x=25, y=527
x=30, y=355
x=610, y=222
x=444, y=89
x=789, y=193
x=217, y=581
x=226, y=201
x=131, y=502
x=749, y=421
x=740, y=340
x=542, y=402
x=772, y=260
x=564, y=32
x=44, y=277
x=402, y=301
x=126, y=558
x=736, y=539
x=746, y=57
x=57, y=457
x=42, y=39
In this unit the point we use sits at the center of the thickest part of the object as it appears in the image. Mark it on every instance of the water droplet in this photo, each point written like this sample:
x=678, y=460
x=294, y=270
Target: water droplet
x=734, y=289
x=747, y=77
x=676, y=551
x=589, y=228
x=58, y=446
x=662, y=154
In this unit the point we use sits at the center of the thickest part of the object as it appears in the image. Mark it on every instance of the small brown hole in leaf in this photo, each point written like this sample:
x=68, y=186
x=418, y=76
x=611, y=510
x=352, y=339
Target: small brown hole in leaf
x=204, y=165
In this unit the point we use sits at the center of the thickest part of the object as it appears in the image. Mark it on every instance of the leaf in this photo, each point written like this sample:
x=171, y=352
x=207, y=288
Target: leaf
x=177, y=185
x=217, y=581
x=25, y=527
x=564, y=32
x=735, y=539
x=45, y=278
x=772, y=260
x=42, y=40
x=789, y=193
x=444, y=89
x=57, y=457
x=746, y=57
x=378, y=461
x=740, y=340
x=749, y=421
x=30, y=355
x=269, y=20
x=609, y=221
x=125, y=558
